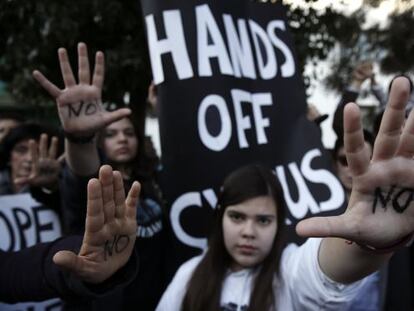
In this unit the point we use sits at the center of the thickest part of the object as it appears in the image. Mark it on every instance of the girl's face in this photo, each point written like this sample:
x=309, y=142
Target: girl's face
x=120, y=142
x=249, y=229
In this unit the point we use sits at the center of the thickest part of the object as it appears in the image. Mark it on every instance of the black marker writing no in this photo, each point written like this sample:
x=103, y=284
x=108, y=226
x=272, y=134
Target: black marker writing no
x=400, y=200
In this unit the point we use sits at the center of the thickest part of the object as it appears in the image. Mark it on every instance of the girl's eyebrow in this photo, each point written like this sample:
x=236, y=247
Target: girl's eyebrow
x=266, y=215
x=229, y=210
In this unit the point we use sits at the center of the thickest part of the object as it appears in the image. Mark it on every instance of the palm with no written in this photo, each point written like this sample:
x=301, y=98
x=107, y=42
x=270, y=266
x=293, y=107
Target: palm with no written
x=110, y=229
x=380, y=211
x=79, y=103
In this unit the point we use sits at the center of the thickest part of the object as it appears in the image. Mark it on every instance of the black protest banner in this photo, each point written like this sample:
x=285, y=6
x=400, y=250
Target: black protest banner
x=23, y=223
x=230, y=93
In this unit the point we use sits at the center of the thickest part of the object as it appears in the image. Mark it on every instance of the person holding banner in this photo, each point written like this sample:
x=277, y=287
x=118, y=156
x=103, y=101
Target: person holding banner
x=76, y=268
x=89, y=129
x=243, y=268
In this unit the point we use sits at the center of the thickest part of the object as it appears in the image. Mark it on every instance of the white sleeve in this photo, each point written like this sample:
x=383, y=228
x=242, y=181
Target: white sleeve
x=173, y=296
x=308, y=286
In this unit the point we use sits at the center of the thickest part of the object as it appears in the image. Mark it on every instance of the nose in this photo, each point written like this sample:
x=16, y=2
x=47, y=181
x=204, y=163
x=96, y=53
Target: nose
x=122, y=137
x=248, y=230
x=26, y=161
x=27, y=157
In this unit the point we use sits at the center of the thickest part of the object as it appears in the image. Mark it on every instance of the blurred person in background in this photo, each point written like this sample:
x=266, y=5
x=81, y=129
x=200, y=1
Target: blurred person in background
x=9, y=120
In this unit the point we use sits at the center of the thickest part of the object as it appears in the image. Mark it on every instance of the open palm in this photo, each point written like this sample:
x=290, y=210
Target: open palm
x=80, y=104
x=110, y=229
x=380, y=212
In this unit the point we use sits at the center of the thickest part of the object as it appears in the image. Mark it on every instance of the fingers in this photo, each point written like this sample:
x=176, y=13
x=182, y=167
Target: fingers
x=107, y=183
x=44, y=152
x=65, y=68
x=356, y=153
x=116, y=115
x=406, y=146
x=67, y=260
x=52, y=153
x=43, y=146
x=388, y=138
x=334, y=226
x=132, y=200
x=34, y=155
x=52, y=89
x=62, y=158
x=119, y=195
x=21, y=180
x=83, y=63
x=99, y=72
x=85, y=269
x=94, y=211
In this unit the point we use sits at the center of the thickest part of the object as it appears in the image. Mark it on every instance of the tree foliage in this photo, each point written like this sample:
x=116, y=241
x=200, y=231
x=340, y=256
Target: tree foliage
x=391, y=46
x=32, y=31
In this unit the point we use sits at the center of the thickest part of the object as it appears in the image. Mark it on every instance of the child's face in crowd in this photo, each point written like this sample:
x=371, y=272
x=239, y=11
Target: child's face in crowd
x=20, y=160
x=249, y=229
x=6, y=125
x=120, y=142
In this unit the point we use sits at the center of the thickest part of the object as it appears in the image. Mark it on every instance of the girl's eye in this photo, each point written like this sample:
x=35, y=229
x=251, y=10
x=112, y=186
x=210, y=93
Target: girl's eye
x=109, y=134
x=264, y=220
x=236, y=217
x=129, y=133
x=21, y=149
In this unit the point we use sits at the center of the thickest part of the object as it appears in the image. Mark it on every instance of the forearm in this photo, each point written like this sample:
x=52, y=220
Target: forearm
x=346, y=263
x=73, y=200
x=83, y=159
x=21, y=275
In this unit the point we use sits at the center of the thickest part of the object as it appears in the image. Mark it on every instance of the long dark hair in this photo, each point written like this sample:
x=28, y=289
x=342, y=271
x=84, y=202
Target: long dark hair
x=205, y=286
x=145, y=162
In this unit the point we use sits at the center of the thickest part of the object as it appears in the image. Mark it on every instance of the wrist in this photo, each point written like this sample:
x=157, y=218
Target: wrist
x=385, y=249
x=79, y=139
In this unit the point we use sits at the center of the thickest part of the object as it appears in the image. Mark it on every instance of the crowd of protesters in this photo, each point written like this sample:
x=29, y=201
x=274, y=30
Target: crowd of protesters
x=245, y=266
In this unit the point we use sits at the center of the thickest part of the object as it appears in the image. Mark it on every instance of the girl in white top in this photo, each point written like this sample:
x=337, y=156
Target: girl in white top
x=244, y=267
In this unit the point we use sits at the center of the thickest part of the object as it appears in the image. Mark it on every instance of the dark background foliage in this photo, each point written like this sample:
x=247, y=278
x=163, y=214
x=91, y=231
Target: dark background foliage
x=31, y=32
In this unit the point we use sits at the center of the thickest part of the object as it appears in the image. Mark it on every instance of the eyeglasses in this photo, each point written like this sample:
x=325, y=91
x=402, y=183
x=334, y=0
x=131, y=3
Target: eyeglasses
x=342, y=160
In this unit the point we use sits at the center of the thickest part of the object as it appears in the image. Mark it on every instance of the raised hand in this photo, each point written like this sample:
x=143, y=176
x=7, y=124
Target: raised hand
x=110, y=229
x=362, y=72
x=79, y=103
x=380, y=212
x=45, y=168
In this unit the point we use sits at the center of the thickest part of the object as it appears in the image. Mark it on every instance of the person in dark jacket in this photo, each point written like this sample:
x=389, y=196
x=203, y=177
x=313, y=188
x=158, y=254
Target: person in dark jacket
x=76, y=268
x=94, y=136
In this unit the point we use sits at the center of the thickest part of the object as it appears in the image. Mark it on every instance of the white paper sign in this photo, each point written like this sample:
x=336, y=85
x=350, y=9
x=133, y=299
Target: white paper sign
x=25, y=222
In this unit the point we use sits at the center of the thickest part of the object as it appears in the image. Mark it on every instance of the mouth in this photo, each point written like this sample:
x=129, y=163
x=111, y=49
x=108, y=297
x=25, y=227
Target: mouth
x=246, y=249
x=122, y=150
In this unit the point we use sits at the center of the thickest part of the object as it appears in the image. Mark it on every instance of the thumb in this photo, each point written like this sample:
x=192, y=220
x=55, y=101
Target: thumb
x=333, y=226
x=21, y=180
x=116, y=115
x=67, y=260
x=62, y=158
